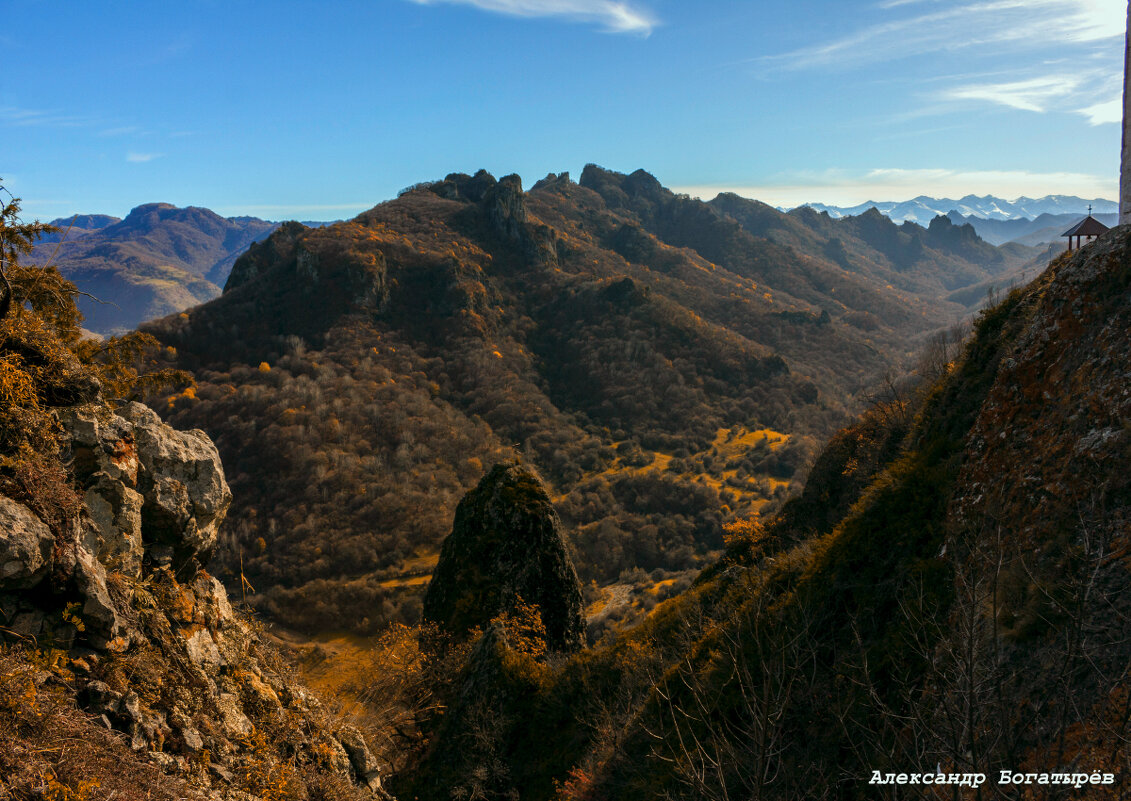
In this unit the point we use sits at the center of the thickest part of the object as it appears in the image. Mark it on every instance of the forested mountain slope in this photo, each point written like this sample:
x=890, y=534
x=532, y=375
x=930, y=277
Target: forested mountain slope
x=662, y=366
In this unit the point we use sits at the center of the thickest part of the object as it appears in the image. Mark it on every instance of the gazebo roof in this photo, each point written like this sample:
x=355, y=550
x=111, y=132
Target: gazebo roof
x=1089, y=226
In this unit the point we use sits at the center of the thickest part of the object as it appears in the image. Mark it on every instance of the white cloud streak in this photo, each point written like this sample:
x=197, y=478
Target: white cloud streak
x=1059, y=91
x=1105, y=112
x=1032, y=24
x=1034, y=94
x=897, y=3
x=27, y=117
x=613, y=16
x=848, y=188
x=141, y=158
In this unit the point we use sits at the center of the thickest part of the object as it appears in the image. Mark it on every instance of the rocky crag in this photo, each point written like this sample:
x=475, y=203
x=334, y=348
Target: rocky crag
x=124, y=671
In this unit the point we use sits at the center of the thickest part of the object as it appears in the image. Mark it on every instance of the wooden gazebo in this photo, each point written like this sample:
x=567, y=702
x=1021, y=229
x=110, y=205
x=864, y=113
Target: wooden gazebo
x=1084, y=232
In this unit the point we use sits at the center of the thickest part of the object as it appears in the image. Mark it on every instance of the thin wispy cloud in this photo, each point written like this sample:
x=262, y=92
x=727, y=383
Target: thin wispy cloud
x=142, y=158
x=849, y=188
x=124, y=130
x=1032, y=24
x=27, y=117
x=1035, y=94
x=1060, y=91
x=612, y=16
x=897, y=3
x=1080, y=32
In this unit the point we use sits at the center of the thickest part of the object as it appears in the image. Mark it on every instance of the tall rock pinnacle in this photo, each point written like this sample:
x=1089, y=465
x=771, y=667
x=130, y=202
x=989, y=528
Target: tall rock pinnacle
x=506, y=545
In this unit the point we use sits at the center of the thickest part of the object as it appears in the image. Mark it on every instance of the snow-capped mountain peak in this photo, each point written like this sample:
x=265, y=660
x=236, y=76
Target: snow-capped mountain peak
x=923, y=209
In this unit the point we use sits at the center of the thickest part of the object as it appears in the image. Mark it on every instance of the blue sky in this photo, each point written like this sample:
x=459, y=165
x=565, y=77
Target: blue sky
x=320, y=110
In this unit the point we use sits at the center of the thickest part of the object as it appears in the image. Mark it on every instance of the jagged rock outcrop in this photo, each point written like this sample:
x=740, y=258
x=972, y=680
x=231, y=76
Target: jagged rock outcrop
x=260, y=256
x=504, y=204
x=156, y=651
x=506, y=209
x=146, y=484
x=506, y=547
x=556, y=180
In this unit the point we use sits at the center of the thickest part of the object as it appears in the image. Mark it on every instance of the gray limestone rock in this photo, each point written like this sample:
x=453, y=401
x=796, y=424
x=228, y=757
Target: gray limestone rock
x=100, y=442
x=212, y=601
x=364, y=764
x=99, y=615
x=99, y=698
x=25, y=546
x=192, y=740
x=114, y=533
x=202, y=651
x=133, y=456
x=182, y=482
x=233, y=722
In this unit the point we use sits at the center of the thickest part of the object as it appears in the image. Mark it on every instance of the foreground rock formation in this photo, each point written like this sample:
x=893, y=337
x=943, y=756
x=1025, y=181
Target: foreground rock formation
x=108, y=580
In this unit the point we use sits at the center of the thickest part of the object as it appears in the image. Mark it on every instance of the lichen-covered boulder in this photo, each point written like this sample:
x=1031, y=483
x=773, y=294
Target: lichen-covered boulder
x=149, y=488
x=25, y=546
x=506, y=546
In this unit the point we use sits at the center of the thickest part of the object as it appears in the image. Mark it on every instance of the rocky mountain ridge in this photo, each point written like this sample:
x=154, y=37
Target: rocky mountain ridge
x=1043, y=229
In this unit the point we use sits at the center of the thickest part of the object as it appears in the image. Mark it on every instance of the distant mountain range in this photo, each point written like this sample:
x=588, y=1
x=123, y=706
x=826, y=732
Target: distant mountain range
x=1045, y=229
x=923, y=209
x=160, y=259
